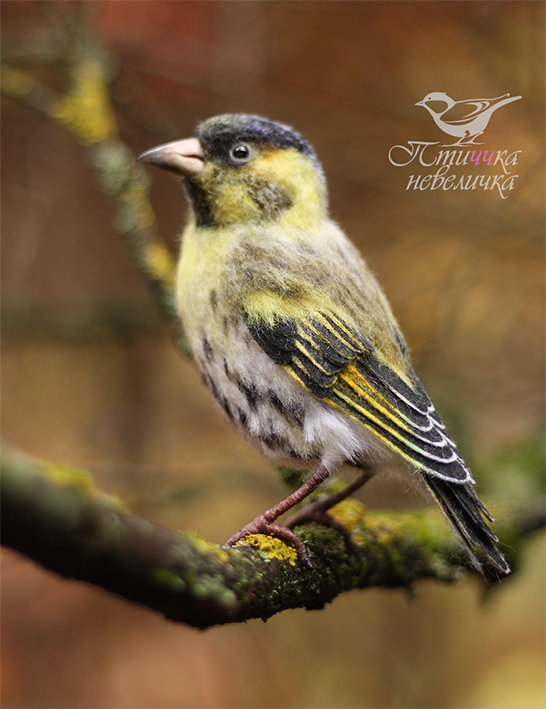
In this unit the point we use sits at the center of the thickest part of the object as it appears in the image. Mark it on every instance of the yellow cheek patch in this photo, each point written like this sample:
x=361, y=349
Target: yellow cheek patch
x=295, y=174
x=234, y=204
x=276, y=182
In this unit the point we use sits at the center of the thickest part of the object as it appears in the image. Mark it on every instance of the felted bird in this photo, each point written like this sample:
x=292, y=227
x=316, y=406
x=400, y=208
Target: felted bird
x=465, y=120
x=293, y=335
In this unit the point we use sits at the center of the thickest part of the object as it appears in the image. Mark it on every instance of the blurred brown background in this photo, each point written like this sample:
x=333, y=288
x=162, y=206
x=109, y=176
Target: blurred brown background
x=91, y=378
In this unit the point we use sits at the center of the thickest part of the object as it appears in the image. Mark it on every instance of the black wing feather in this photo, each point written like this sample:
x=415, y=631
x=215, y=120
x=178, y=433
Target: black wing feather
x=277, y=340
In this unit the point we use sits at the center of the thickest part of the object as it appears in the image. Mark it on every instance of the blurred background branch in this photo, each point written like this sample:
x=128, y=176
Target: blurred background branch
x=86, y=111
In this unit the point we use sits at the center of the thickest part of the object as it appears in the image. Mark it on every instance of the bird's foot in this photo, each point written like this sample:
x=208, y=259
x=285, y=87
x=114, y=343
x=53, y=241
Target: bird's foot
x=318, y=511
x=264, y=523
x=261, y=525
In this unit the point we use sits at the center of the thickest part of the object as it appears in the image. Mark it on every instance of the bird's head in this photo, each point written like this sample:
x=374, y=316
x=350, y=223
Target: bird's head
x=245, y=169
x=436, y=102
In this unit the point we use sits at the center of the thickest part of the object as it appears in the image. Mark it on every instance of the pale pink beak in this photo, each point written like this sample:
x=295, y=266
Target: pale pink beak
x=184, y=157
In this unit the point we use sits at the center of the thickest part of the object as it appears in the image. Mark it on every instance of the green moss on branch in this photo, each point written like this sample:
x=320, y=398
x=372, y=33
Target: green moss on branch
x=57, y=517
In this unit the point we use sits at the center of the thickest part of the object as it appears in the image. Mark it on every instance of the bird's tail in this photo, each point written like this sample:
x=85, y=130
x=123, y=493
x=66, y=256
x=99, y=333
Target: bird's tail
x=466, y=514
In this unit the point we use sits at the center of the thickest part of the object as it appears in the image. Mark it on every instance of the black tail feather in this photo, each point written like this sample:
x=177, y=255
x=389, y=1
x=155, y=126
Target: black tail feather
x=466, y=514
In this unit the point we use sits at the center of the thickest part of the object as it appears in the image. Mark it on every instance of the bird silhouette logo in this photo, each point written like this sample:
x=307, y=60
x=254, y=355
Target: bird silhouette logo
x=465, y=120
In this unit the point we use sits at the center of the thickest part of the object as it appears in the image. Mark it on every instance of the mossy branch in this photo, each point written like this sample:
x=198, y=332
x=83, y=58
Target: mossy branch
x=56, y=516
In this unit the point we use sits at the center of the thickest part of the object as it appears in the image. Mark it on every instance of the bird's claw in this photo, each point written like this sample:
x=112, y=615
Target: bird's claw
x=260, y=525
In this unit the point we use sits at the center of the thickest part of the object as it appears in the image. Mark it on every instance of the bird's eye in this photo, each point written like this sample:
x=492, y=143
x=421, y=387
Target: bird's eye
x=240, y=153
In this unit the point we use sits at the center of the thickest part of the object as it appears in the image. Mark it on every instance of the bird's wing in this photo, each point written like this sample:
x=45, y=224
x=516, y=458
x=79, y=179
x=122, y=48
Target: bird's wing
x=340, y=366
x=464, y=111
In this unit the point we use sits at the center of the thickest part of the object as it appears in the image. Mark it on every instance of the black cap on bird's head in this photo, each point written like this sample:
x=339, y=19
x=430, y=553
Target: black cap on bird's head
x=226, y=144
x=218, y=135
